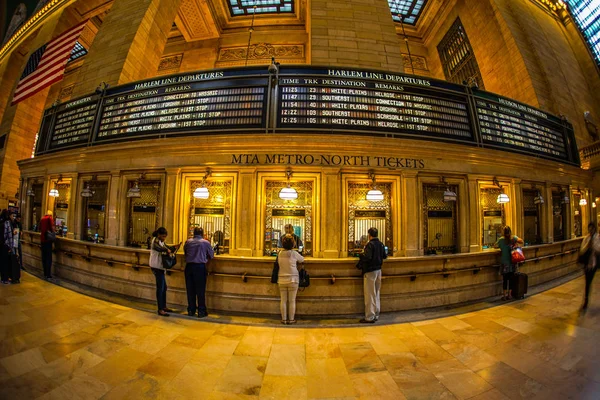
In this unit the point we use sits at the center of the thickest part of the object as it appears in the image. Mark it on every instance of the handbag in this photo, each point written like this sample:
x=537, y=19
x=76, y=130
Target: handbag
x=304, y=278
x=169, y=260
x=517, y=255
x=275, y=273
x=50, y=236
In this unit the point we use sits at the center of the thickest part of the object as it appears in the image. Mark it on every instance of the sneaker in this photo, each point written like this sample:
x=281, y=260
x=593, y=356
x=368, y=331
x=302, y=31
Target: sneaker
x=376, y=318
x=366, y=321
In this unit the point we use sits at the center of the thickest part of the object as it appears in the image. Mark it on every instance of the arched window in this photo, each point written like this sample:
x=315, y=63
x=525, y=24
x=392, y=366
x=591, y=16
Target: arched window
x=586, y=14
x=246, y=7
x=406, y=11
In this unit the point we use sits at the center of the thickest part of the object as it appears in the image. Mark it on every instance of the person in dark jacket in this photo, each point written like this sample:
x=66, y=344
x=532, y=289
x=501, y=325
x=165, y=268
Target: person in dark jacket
x=47, y=225
x=370, y=262
x=5, y=260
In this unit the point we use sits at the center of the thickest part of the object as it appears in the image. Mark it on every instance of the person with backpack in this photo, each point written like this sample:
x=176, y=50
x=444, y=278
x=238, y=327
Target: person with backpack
x=589, y=256
x=507, y=244
x=159, y=248
x=370, y=263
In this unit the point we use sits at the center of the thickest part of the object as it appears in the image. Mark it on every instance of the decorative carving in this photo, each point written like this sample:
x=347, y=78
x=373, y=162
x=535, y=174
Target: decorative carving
x=66, y=92
x=170, y=63
x=263, y=51
x=195, y=20
x=418, y=62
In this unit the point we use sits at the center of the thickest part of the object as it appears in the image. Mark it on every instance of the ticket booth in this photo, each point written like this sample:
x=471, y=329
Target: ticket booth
x=212, y=213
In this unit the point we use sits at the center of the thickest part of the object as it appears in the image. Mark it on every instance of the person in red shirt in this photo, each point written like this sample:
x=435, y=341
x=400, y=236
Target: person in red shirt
x=47, y=225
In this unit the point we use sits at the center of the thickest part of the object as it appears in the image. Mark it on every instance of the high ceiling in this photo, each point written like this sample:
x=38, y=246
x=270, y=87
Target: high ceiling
x=406, y=10
x=246, y=7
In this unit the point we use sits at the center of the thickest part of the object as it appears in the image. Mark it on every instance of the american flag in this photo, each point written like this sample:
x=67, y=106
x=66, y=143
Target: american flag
x=47, y=64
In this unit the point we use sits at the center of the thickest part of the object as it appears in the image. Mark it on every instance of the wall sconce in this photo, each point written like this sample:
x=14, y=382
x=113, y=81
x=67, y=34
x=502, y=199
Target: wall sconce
x=449, y=195
x=288, y=192
x=87, y=190
x=374, y=194
x=582, y=201
x=54, y=190
x=135, y=192
x=202, y=191
x=502, y=197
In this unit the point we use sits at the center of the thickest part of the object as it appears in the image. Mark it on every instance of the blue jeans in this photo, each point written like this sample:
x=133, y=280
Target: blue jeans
x=161, y=288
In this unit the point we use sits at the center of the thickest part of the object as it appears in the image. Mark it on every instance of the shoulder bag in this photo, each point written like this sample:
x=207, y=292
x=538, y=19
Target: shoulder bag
x=169, y=260
x=304, y=278
x=275, y=273
x=50, y=236
x=516, y=255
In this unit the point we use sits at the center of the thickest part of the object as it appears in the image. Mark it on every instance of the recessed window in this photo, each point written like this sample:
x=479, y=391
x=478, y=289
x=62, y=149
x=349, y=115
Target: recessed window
x=586, y=14
x=246, y=7
x=458, y=59
x=406, y=11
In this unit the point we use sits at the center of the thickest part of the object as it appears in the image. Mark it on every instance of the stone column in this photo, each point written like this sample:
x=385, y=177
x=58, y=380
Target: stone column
x=331, y=211
x=129, y=45
x=171, y=215
x=410, y=213
x=516, y=207
x=569, y=229
x=113, y=213
x=246, y=227
x=73, y=215
x=354, y=33
x=547, y=214
x=474, y=214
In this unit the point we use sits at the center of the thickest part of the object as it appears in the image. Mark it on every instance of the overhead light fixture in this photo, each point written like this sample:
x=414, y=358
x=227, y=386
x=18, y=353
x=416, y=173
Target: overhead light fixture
x=582, y=201
x=374, y=194
x=54, y=190
x=502, y=197
x=202, y=191
x=288, y=192
x=538, y=199
x=30, y=192
x=565, y=197
x=87, y=191
x=449, y=195
x=134, y=191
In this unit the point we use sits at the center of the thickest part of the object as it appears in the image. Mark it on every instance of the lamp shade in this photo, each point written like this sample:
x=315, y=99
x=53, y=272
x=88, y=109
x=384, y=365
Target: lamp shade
x=134, y=192
x=583, y=202
x=87, y=192
x=502, y=198
x=449, y=196
x=53, y=192
x=374, y=195
x=538, y=199
x=201, y=193
x=30, y=192
x=288, y=193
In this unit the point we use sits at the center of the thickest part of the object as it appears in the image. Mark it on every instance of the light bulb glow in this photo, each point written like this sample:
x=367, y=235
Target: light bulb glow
x=201, y=193
x=54, y=192
x=288, y=193
x=583, y=202
x=375, y=195
x=502, y=198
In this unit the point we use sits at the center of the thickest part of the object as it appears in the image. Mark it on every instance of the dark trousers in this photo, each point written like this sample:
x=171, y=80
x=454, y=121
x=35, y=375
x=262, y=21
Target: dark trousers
x=20, y=256
x=506, y=278
x=5, y=264
x=15, y=273
x=195, y=285
x=161, y=288
x=47, y=259
x=589, y=277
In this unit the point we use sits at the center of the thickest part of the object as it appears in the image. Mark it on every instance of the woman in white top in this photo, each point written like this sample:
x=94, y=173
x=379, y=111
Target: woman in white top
x=159, y=248
x=288, y=279
x=590, y=252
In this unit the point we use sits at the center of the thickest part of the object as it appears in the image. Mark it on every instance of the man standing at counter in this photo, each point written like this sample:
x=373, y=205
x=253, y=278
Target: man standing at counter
x=47, y=225
x=370, y=263
x=198, y=252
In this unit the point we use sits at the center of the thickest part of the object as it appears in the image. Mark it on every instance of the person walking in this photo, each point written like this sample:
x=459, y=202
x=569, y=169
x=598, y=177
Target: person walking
x=371, y=262
x=5, y=265
x=506, y=244
x=198, y=252
x=157, y=250
x=47, y=225
x=590, y=255
x=288, y=279
x=11, y=241
x=19, y=227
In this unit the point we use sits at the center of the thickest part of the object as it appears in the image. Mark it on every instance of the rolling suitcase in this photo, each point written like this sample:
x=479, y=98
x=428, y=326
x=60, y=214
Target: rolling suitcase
x=518, y=285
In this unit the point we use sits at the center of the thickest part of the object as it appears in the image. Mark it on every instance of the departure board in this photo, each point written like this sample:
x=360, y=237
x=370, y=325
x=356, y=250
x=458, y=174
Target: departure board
x=187, y=108
x=370, y=105
x=73, y=123
x=510, y=124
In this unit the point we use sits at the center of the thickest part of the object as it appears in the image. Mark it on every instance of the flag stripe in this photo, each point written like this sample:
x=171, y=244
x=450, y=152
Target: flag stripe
x=47, y=64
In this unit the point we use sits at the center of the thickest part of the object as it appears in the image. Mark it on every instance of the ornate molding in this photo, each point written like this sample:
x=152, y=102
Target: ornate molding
x=195, y=21
x=170, y=64
x=260, y=53
x=66, y=92
x=418, y=62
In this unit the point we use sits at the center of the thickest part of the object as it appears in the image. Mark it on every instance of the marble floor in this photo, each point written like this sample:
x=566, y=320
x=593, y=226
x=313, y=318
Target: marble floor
x=58, y=344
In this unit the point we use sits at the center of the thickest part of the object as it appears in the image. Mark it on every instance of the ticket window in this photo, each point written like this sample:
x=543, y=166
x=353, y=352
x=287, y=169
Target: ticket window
x=532, y=230
x=577, y=217
x=35, y=206
x=440, y=220
x=143, y=213
x=281, y=212
x=559, y=215
x=213, y=214
x=493, y=217
x=364, y=214
x=61, y=208
x=94, y=209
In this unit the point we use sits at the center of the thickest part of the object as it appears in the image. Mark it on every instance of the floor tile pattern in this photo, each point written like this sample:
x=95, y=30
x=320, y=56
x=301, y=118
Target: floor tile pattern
x=58, y=344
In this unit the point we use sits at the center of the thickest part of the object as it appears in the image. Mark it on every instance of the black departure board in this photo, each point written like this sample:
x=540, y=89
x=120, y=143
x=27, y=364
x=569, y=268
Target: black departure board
x=73, y=123
x=510, y=124
x=185, y=108
x=367, y=104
